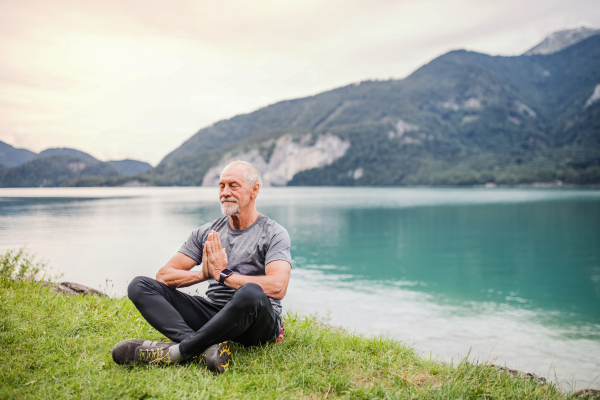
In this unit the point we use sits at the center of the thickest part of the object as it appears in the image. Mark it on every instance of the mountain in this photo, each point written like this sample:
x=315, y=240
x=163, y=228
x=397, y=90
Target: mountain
x=130, y=167
x=65, y=167
x=562, y=39
x=464, y=118
x=64, y=151
x=10, y=156
x=54, y=171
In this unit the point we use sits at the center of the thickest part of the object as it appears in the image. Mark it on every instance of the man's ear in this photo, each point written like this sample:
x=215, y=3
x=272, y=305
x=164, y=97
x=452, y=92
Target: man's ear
x=255, y=189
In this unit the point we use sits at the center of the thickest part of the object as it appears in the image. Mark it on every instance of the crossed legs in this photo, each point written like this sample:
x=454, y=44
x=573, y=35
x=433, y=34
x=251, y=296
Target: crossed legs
x=196, y=324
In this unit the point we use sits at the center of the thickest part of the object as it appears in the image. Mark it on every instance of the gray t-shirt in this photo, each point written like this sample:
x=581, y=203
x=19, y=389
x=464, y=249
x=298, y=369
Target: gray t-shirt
x=248, y=251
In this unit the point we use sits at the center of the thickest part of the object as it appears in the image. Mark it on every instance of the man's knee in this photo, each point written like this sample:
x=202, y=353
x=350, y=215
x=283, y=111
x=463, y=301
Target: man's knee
x=249, y=295
x=138, y=287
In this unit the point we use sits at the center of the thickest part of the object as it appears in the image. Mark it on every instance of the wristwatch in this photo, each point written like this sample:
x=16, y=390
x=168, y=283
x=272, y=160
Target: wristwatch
x=224, y=275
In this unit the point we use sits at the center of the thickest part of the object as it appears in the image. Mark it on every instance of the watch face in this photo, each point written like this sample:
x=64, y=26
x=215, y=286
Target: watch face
x=226, y=273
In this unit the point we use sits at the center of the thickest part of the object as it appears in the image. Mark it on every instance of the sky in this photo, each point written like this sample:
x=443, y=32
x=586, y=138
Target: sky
x=136, y=78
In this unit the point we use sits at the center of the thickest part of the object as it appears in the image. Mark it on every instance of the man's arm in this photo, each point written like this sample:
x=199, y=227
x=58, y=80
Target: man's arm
x=274, y=283
x=176, y=273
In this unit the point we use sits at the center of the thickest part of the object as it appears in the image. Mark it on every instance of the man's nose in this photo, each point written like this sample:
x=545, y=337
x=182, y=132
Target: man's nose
x=225, y=191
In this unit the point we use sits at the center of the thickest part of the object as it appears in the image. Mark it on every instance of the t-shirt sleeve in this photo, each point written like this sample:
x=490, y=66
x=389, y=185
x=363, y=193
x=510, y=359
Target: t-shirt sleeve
x=193, y=245
x=279, y=248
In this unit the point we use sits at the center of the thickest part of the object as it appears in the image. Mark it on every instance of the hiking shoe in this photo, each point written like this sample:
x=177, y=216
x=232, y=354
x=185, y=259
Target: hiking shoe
x=154, y=353
x=217, y=357
x=124, y=352
x=137, y=351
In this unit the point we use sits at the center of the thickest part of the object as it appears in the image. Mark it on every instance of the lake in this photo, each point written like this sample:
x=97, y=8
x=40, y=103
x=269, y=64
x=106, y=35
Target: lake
x=510, y=276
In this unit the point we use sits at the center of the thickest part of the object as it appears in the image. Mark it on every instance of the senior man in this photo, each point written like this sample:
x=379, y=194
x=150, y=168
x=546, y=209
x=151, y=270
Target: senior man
x=245, y=257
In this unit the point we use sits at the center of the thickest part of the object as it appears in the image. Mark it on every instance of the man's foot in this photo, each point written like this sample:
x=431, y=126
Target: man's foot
x=124, y=352
x=217, y=357
x=136, y=351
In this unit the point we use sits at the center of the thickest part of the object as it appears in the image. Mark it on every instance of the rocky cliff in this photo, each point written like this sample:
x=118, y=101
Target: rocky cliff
x=279, y=160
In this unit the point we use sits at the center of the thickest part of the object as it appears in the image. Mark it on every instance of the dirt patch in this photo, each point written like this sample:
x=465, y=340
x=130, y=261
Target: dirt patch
x=419, y=379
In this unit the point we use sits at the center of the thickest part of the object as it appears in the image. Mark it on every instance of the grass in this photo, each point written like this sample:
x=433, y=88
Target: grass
x=56, y=346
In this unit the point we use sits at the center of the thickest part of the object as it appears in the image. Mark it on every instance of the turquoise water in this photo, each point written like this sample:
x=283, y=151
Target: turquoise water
x=532, y=255
x=512, y=275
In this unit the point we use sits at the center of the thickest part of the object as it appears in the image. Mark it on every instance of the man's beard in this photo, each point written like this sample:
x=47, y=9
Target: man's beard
x=230, y=209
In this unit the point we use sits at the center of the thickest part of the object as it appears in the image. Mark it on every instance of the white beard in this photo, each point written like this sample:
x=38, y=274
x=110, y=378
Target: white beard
x=230, y=209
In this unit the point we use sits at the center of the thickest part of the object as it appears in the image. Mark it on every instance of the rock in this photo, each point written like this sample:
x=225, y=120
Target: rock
x=72, y=289
x=514, y=373
x=401, y=128
x=288, y=157
x=591, y=394
x=593, y=98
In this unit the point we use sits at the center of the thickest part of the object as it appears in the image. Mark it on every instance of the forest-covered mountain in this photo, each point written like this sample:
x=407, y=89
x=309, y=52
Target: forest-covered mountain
x=62, y=166
x=11, y=157
x=463, y=118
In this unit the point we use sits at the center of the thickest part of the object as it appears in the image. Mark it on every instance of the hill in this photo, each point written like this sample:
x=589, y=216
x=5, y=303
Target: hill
x=54, y=171
x=64, y=151
x=464, y=118
x=130, y=167
x=65, y=167
x=10, y=156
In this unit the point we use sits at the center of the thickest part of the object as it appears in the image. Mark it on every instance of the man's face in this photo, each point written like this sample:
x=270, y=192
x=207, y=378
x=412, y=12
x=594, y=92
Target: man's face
x=234, y=192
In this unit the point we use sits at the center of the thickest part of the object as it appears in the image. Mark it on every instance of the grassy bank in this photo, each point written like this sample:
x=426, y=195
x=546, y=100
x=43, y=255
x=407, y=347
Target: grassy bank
x=57, y=346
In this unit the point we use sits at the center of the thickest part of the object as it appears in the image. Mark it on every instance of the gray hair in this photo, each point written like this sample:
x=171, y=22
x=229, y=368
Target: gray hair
x=251, y=175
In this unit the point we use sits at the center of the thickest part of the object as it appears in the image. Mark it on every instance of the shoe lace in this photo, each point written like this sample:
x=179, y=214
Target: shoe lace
x=155, y=355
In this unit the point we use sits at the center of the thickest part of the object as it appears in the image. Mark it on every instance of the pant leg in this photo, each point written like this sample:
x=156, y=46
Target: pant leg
x=248, y=318
x=175, y=314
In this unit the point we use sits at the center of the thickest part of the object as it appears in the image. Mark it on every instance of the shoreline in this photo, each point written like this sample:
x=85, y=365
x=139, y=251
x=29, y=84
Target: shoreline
x=72, y=289
x=313, y=360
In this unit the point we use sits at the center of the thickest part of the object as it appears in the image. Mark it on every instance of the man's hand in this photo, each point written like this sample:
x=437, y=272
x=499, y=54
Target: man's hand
x=274, y=283
x=215, y=255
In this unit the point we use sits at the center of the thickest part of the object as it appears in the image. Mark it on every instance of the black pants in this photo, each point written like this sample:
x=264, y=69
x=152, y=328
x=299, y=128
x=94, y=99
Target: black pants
x=196, y=324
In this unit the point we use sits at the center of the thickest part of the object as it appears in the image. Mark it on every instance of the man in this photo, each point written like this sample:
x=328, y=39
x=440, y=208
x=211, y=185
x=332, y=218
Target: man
x=246, y=258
